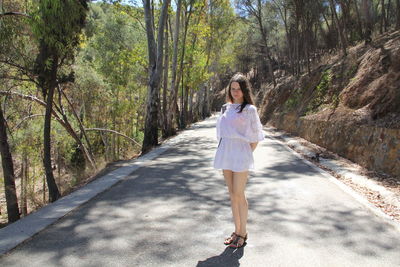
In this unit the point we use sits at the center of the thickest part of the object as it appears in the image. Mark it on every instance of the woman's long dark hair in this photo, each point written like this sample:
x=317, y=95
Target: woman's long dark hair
x=245, y=86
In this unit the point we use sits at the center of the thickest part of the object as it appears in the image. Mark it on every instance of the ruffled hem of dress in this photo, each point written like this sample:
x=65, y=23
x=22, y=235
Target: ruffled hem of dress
x=250, y=169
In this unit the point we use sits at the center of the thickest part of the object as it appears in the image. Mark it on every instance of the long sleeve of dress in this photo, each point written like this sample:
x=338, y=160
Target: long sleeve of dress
x=218, y=126
x=223, y=108
x=254, y=132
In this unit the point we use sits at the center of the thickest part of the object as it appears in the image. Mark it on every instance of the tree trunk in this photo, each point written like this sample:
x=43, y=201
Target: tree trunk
x=288, y=38
x=113, y=142
x=191, y=115
x=24, y=182
x=155, y=69
x=298, y=13
x=265, y=39
x=58, y=166
x=342, y=38
x=8, y=172
x=307, y=51
x=398, y=14
x=326, y=21
x=137, y=123
x=182, y=121
x=344, y=19
x=51, y=83
x=383, y=16
x=387, y=19
x=359, y=24
x=183, y=106
x=177, y=114
x=205, y=112
x=44, y=189
x=205, y=107
x=296, y=49
x=366, y=7
x=118, y=142
x=165, y=87
x=172, y=90
x=189, y=91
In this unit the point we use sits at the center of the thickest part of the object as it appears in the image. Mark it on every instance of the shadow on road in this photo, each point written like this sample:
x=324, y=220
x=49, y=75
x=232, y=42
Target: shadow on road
x=228, y=258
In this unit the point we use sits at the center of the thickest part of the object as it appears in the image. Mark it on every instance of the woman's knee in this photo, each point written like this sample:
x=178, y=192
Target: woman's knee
x=230, y=190
x=237, y=195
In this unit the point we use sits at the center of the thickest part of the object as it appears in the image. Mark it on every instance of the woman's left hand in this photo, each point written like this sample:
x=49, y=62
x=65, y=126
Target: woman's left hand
x=253, y=146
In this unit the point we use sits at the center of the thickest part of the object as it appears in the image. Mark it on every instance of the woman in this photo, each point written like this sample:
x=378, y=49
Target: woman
x=238, y=131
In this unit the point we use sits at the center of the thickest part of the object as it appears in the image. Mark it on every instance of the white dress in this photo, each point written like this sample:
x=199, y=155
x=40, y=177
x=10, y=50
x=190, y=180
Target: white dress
x=235, y=132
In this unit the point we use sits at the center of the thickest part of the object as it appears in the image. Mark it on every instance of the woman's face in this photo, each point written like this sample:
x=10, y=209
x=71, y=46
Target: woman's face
x=236, y=92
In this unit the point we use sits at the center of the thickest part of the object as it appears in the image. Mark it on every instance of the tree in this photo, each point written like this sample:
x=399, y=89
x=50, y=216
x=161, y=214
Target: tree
x=173, y=90
x=359, y=23
x=254, y=8
x=342, y=37
x=398, y=14
x=282, y=8
x=383, y=26
x=155, y=50
x=366, y=10
x=8, y=170
x=190, y=8
x=164, y=119
x=57, y=26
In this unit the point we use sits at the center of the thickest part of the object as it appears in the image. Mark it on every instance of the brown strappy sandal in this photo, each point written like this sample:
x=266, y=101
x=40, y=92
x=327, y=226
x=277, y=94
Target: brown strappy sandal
x=235, y=244
x=230, y=239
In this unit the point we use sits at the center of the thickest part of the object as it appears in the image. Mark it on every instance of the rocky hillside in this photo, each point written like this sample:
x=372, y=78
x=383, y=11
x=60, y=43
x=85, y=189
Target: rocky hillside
x=349, y=105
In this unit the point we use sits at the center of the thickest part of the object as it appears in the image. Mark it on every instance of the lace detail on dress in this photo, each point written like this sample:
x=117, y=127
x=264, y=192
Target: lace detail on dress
x=245, y=125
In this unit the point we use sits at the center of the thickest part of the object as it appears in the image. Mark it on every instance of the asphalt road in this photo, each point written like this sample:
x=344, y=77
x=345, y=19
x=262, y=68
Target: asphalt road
x=175, y=211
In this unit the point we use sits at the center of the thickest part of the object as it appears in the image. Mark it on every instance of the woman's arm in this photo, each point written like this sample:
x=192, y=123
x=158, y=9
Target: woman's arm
x=253, y=146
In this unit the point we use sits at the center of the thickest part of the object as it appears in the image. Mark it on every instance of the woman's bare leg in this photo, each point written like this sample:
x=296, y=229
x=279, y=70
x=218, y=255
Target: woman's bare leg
x=228, y=175
x=239, y=185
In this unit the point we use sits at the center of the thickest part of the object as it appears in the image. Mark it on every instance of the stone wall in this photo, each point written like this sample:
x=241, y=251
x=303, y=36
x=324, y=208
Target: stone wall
x=372, y=147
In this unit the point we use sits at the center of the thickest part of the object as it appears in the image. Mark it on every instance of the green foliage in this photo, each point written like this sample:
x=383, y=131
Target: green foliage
x=320, y=92
x=325, y=82
x=335, y=100
x=15, y=39
x=77, y=159
x=294, y=100
x=352, y=70
x=58, y=24
x=111, y=74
